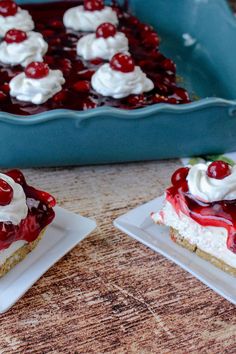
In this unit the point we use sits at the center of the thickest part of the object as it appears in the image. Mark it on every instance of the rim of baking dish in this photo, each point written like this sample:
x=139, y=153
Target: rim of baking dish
x=103, y=112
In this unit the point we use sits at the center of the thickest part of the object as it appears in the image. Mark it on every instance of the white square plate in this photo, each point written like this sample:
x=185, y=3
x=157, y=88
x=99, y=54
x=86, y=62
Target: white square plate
x=65, y=232
x=138, y=224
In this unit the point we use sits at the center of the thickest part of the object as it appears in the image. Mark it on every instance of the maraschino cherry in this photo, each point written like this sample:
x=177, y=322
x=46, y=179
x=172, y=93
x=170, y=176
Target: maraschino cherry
x=8, y=8
x=6, y=193
x=179, y=175
x=218, y=170
x=106, y=30
x=15, y=36
x=17, y=176
x=122, y=62
x=93, y=5
x=37, y=70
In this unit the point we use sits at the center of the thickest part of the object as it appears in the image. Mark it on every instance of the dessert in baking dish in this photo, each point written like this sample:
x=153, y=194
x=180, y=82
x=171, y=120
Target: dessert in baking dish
x=25, y=213
x=80, y=39
x=200, y=209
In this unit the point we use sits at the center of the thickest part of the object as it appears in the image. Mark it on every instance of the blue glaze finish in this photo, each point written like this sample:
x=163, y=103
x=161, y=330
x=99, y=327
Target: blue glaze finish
x=103, y=135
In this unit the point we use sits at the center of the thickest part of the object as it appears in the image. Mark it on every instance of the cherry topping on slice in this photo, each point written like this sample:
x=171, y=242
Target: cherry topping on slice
x=8, y=8
x=37, y=70
x=179, y=175
x=122, y=62
x=93, y=5
x=218, y=170
x=106, y=30
x=15, y=36
x=6, y=193
x=17, y=176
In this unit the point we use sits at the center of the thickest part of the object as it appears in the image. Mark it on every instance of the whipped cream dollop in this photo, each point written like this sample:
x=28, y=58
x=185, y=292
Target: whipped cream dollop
x=210, y=189
x=21, y=20
x=36, y=91
x=79, y=19
x=116, y=84
x=25, y=52
x=90, y=47
x=17, y=210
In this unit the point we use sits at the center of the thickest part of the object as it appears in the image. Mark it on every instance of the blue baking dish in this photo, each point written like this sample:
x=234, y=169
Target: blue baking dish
x=201, y=38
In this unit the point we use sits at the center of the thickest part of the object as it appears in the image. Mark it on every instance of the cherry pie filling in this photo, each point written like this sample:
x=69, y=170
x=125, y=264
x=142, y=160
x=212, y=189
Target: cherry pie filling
x=40, y=213
x=77, y=93
x=218, y=214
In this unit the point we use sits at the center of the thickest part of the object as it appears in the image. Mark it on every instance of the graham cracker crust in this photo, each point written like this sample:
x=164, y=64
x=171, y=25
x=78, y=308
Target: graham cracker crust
x=19, y=255
x=176, y=237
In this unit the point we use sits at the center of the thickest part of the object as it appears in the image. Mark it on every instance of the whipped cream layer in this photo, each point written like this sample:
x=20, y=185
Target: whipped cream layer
x=208, y=238
x=211, y=189
x=21, y=20
x=24, y=53
x=17, y=210
x=116, y=84
x=36, y=91
x=8, y=252
x=90, y=47
x=78, y=19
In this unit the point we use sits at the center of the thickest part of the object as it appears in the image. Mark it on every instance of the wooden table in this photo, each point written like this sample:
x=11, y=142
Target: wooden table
x=111, y=294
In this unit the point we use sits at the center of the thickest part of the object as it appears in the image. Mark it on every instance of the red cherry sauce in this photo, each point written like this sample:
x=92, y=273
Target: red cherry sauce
x=62, y=55
x=219, y=214
x=40, y=214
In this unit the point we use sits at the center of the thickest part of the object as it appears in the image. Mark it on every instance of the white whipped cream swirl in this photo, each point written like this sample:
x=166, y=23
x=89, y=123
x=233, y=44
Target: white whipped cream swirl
x=17, y=210
x=79, y=19
x=21, y=21
x=25, y=52
x=36, y=91
x=116, y=84
x=211, y=189
x=90, y=47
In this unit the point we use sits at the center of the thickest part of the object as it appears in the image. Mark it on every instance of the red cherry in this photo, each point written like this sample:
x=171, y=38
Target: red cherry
x=15, y=36
x=8, y=8
x=106, y=30
x=93, y=5
x=180, y=94
x=37, y=70
x=122, y=62
x=56, y=24
x=179, y=175
x=151, y=39
x=136, y=100
x=168, y=65
x=218, y=170
x=6, y=193
x=82, y=86
x=60, y=97
x=17, y=176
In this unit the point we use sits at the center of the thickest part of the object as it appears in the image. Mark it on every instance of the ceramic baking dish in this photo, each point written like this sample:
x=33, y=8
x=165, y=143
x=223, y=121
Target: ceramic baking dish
x=201, y=38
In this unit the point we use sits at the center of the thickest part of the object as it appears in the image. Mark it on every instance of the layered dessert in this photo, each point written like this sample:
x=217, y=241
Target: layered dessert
x=80, y=39
x=25, y=213
x=200, y=209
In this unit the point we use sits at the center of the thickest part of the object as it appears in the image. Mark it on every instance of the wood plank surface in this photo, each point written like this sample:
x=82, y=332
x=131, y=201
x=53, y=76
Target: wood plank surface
x=112, y=294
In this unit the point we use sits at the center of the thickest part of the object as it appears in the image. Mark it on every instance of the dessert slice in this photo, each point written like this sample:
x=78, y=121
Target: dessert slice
x=200, y=209
x=25, y=212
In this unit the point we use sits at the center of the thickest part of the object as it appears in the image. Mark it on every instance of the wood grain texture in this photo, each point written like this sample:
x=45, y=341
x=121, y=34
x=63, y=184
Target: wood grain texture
x=111, y=294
